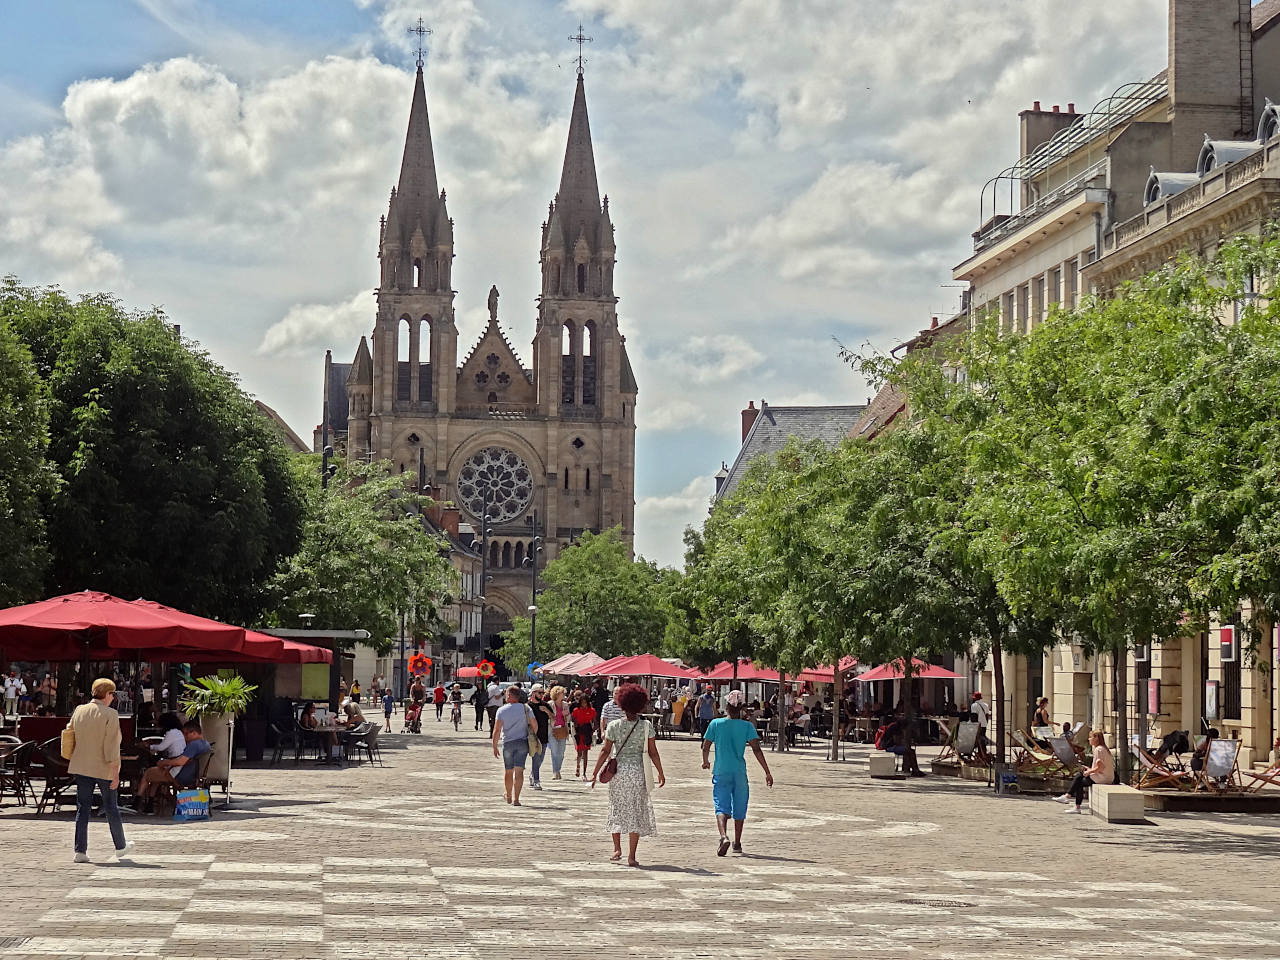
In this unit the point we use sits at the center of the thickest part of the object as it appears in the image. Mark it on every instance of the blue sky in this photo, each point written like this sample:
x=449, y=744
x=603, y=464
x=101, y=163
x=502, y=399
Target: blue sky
x=781, y=173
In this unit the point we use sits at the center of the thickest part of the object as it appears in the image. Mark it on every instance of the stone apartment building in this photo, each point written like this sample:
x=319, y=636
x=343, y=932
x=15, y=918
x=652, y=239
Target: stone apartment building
x=542, y=451
x=1174, y=162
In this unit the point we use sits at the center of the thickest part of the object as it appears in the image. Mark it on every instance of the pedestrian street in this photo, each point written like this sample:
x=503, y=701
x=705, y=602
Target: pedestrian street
x=423, y=858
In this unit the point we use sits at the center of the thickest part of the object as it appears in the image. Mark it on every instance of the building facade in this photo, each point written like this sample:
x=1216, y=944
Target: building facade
x=545, y=450
x=1175, y=162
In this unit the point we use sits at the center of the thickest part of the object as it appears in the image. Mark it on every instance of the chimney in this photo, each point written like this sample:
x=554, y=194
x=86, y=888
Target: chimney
x=933, y=324
x=1055, y=108
x=1036, y=106
x=449, y=520
x=749, y=418
x=1071, y=108
x=1210, y=75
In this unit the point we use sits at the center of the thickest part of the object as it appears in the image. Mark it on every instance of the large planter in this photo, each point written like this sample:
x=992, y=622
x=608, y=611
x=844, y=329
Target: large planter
x=218, y=730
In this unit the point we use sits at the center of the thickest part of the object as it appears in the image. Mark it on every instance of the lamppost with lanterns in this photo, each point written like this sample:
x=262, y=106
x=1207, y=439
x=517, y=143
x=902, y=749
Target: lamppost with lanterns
x=531, y=561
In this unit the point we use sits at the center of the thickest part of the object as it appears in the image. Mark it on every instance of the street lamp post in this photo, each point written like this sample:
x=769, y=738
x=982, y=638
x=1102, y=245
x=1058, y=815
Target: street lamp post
x=483, y=544
x=531, y=561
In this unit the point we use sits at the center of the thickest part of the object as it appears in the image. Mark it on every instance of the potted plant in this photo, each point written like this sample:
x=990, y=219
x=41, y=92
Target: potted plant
x=216, y=701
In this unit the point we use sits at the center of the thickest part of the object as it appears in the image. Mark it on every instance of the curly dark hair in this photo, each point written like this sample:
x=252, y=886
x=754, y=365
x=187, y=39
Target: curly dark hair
x=632, y=698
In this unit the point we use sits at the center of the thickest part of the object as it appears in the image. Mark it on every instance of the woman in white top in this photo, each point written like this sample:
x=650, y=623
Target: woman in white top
x=172, y=743
x=1102, y=770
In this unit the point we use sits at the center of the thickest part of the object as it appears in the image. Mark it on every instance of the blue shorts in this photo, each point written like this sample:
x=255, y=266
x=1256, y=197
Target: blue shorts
x=730, y=791
x=514, y=754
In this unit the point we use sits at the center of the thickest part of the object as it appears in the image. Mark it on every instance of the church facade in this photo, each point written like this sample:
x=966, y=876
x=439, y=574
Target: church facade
x=543, y=450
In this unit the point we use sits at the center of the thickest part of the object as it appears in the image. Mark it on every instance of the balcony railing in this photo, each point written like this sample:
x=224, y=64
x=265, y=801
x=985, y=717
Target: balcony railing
x=1015, y=222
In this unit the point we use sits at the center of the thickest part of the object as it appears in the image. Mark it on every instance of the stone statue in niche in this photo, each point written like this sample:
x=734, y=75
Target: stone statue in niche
x=493, y=303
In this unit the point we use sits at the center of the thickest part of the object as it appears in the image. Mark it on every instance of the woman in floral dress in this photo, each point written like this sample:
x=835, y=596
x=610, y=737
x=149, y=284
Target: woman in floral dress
x=628, y=739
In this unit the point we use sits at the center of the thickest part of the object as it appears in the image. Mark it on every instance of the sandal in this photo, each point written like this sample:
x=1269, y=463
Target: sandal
x=617, y=855
x=723, y=848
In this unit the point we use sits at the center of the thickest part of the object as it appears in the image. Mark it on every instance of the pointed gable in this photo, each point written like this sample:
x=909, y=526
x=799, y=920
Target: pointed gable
x=493, y=374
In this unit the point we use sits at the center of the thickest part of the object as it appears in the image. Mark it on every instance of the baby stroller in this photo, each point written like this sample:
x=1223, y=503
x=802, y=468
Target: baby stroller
x=413, y=718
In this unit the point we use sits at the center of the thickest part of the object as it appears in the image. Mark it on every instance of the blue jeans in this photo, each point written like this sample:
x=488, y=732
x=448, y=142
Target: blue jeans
x=557, y=748
x=84, y=808
x=515, y=753
x=537, y=762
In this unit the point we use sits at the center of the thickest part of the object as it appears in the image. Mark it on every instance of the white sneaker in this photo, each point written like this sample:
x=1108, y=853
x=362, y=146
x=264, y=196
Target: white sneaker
x=1072, y=809
x=1062, y=798
x=82, y=858
x=122, y=853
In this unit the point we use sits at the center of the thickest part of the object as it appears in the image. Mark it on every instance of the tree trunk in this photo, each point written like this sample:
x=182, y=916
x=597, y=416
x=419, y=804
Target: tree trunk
x=997, y=673
x=1120, y=698
x=838, y=680
x=780, y=744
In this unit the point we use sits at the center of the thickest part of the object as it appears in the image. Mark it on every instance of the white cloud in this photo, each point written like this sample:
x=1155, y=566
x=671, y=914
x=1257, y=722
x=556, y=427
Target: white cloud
x=315, y=326
x=661, y=520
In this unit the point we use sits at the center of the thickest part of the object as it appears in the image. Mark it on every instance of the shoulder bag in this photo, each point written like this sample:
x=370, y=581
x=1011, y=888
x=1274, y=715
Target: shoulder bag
x=531, y=724
x=68, y=745
x=611, y=767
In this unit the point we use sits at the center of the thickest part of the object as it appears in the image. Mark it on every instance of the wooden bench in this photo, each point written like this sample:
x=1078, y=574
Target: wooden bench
x=1116, y=803
x=883, y=765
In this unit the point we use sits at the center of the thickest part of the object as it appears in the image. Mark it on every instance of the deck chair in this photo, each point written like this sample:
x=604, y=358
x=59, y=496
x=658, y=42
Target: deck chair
x=1221, y=770
x=59, y=785
x=1153, y=774
x=1271, y=775
x=1028, y=758
x=15, y=773
x=1080, y=739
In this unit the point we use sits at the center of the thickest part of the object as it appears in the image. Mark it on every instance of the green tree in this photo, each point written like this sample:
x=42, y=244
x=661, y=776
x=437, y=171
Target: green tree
x=593, y=597
x=366, y=557
x=26, y=478
x=172, y=485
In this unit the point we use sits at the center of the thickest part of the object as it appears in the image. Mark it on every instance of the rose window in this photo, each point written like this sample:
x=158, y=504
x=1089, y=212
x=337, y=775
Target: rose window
x=498, y=477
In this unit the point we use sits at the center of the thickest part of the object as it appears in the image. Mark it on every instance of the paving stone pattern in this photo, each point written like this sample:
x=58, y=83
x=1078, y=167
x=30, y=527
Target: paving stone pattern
x=424, y=859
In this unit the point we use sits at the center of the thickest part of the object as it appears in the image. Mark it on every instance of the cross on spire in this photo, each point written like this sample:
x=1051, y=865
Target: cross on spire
x=580, y=38
x=423, y=31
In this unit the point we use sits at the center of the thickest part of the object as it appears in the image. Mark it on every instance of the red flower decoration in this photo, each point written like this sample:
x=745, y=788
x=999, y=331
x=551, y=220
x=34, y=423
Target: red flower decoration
x=485, y=668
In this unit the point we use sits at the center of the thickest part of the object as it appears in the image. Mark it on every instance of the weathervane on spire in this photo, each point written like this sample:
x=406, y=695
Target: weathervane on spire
x=580, y=38
x=423, y=31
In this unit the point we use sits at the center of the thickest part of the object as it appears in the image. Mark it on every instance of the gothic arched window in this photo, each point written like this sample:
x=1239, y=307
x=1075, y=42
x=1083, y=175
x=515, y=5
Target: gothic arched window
x=582, y=278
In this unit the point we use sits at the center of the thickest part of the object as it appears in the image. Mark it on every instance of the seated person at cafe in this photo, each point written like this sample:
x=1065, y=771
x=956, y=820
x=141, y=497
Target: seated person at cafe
x=354, y=716
x=309, y=721
x=172, y=741
x=892, y=738
x=179, y=772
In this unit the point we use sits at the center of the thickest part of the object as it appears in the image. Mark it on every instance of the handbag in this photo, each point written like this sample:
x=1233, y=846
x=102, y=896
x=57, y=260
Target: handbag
x=560, y=732
x=611, y=767
x=68, y=745
x=531, y=723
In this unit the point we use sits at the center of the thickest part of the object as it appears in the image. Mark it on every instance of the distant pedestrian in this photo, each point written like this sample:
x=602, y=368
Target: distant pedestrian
x=628, y=739
x=13, y=690
x=730, y=789
x=560, y=732
x=355, y=691
x=511, y=728
x=95, y=763
x=584, y=717
x=706, y=710
x=388, y=707
x=542, y=715
x=495, y=701
x=980, y=711
x=609, y=712
x=479, y=700
x=438, y=697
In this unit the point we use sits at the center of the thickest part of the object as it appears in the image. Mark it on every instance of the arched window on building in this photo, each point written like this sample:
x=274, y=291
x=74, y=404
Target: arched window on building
x=404, y=334
x=493, y=555
x=568, y=363
x=582, y=278
x=566, y=478
x=588, y=478
x=589, y=364
x=417, y=274
x=506, y=554
x=519, y=554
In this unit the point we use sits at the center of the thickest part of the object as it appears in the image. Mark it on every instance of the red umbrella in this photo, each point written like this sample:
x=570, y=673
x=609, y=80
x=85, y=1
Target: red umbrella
x=643, y=665
x=748, y=672
x=893, y=671
x=467, y=673
x=823, y=672
x=601, y=669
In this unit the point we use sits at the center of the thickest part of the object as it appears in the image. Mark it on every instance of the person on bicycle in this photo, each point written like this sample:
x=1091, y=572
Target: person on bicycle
x=455, y=699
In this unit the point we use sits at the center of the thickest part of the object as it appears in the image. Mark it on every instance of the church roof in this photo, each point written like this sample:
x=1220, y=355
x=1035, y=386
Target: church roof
x=577, y=205
x=362, y=369
x=339, y=404
x=774, y=426
x=417, y=202
x=627, y=380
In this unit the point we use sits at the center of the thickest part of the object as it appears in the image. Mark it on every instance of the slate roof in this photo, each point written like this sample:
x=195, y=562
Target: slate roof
x=774, y=426
x=880, y=412
x=339, y=404
x=1263, y=16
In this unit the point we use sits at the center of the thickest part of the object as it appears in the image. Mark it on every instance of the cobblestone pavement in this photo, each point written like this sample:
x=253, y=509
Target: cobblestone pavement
x=424, y=859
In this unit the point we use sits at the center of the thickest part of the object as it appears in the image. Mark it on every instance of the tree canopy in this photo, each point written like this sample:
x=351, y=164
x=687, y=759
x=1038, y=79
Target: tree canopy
x=592, y=597
x=171, y=484
x=365, y=558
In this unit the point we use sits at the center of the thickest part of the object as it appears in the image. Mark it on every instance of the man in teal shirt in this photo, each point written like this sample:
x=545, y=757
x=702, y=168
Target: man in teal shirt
x=729, y=788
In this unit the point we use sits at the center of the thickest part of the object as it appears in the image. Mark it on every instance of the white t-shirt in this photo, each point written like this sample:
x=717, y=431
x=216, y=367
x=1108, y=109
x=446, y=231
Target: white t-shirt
x=982, y=711
x=14, y=688
x=495, y=695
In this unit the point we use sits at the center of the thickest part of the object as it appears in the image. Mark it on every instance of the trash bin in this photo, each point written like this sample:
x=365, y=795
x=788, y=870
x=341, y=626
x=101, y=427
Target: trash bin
x=1006, y=778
